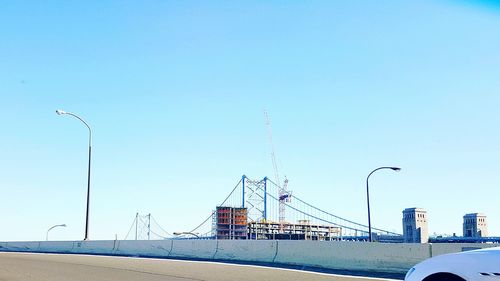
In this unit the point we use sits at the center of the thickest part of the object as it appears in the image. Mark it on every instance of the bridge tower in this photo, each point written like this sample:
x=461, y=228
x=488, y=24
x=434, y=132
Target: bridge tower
x=254, y=198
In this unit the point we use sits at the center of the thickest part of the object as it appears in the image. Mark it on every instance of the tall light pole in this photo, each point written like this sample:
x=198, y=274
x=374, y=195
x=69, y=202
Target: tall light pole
x=62, y=112
x=368, y=198
x=47, y=237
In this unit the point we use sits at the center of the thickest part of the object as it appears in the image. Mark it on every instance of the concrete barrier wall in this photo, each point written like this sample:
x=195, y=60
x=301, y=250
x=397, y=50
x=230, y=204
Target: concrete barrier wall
x=448, y=248
x=383, y=257
x=148, y=248
x=106, y=247
x=32, y=246
x=197, y=249
x=247, y=250
x=352, y=255
x=56, y=246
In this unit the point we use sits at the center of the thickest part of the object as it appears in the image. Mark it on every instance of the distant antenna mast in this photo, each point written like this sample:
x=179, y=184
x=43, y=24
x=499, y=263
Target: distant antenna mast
x=284, y=196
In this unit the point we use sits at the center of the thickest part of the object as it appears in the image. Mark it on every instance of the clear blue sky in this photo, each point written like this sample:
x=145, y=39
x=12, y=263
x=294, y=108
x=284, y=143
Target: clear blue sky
x=175, y=91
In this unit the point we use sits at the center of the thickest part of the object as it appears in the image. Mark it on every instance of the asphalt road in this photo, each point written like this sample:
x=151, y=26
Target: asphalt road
x=53, y=267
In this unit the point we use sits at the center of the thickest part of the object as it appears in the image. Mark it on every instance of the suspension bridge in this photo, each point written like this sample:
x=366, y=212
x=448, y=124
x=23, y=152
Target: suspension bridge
x=265, y=202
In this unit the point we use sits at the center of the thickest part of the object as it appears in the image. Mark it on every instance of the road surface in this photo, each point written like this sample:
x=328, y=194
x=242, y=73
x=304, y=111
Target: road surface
x=53, y=267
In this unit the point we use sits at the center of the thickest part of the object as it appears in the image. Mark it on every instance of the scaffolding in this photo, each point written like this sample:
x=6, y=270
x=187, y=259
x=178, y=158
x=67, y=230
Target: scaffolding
x=288, y=231
x=231, y=223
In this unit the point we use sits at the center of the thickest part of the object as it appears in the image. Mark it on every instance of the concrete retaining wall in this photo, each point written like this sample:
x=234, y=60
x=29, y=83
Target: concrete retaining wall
x=382, y=257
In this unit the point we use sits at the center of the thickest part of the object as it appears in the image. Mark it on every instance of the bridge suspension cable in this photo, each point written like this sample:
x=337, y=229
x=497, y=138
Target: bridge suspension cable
x=146, y=227
x=342, y=222
x=223, y=202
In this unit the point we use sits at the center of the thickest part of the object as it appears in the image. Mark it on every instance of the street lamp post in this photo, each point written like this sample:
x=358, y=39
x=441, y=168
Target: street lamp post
x=47, y=236
x=186, y=232
x=368, y=198
x=61, y=112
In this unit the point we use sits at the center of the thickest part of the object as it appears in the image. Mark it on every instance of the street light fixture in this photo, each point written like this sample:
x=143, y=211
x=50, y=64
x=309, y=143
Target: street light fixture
x=397, y=169
x=62, y=112
x=47, y=236
x=186, y=232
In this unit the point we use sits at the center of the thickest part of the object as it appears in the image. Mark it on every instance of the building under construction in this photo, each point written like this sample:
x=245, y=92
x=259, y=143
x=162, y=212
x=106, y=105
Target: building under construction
x=232, y=223
x=288, y=231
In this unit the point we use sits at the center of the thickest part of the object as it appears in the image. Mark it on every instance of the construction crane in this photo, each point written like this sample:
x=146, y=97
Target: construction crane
x=284, y=195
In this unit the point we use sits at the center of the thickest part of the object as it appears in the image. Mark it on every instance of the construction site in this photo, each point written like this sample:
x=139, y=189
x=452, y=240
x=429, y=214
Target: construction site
x=232, y=223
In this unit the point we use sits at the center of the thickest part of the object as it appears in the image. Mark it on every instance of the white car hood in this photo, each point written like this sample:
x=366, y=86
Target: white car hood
x=471, y=265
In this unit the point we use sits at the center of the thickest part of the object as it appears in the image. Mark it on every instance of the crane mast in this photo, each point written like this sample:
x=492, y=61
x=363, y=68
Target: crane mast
x=284, y=195
x=273, y=155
